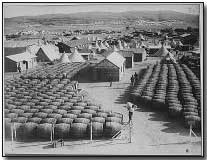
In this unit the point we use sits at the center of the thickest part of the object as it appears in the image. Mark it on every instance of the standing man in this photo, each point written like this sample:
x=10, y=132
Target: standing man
x=131, y=107
x=19, y=68
x=132, y=80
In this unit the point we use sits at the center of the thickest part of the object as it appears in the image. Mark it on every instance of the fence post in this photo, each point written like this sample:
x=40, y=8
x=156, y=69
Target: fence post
x=130, y=132
x=91, y=135
x=12, y=135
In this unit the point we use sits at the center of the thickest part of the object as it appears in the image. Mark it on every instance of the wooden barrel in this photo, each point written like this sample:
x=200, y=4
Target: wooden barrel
x=101, y=114
x=97, y=129
x=77, y=108
x=29, y=130
x=49, y=120
x=65, y=120
x=44, y=131
x=35, y=120
x=40, y=115
x=81, y=120
x=111, y=128
x=79, y=130
x=32, y=111
x=7, y=127
x=54, y=115
x=20, y=120
x=76, y=112
x=27, y=115
x=62, y=130
x=114, y=119
x=69, y=115
x=85, y=115
x=98, y=119
x=95, y=108
x=60, y=111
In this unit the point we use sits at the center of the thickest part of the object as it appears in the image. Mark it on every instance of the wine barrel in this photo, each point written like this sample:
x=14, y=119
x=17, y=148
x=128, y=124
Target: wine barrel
x=97, y=129
x=40, y=115
x=78, y=130
x=65, y=120
x=35, y=120
x=111, y=128
x=98, y=119
x=44, y=131
x=85, y=115
x=62, y=130
x=114, y=119
x=49, y=120
x=69, y=115
x=81, y=120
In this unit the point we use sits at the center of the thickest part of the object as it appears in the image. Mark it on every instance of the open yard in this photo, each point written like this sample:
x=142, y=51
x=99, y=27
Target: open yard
x=153, y=132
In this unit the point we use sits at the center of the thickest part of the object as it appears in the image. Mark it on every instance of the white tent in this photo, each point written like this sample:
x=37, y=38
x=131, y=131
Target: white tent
x=76, y=57
x=106, y=44
x=64, y=58
x=170, y=57
x=173, y=43
x=120, y=45
x=162, y=52
x=115, y=49
x=102, y=46
x=179, y=43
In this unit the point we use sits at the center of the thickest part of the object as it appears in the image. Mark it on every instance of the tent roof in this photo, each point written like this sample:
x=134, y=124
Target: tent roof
x=21, y=57
x=50, y=52
x=170, y=56
x=161, y=52
x=64, y=58
x=76, y=57
x=116, y=58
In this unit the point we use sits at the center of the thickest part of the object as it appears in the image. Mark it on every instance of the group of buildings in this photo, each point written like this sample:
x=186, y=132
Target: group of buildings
x=108, y=57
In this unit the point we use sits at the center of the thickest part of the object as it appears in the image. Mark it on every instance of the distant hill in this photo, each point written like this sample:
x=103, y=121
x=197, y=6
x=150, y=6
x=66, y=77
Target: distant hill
x=92, y=17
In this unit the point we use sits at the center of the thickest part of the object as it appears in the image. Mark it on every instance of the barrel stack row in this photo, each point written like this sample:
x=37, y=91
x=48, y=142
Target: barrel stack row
x=170, y=87
x=55, y=71
x=37, y=107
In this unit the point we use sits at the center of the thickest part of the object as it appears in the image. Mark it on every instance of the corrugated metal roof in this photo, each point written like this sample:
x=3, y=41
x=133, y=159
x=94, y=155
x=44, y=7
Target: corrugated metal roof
x=21, y=57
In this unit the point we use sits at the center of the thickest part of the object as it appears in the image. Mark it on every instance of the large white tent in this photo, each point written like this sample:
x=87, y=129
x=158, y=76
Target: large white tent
x=162, y=52
x=76, y=57
x=64, y=58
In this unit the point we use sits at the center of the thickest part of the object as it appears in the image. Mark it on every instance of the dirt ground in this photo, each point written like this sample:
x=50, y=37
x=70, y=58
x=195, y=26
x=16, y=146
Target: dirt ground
x=153, y=133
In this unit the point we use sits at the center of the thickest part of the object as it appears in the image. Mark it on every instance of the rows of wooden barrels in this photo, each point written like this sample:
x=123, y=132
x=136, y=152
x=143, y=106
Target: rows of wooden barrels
x=189, y=102
x=45, y=102
x=136, y=92
x=55, y=71
x=148, y=91
x=171, y=87
x=174, y=105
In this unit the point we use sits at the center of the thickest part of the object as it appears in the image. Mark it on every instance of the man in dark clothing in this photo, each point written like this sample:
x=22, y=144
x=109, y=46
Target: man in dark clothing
x=135, y=77
x=19, y=69
x=132, y=80
x=110, y=81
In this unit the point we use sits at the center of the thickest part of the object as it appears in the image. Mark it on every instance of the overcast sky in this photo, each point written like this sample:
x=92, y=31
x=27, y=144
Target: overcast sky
x=13, y=10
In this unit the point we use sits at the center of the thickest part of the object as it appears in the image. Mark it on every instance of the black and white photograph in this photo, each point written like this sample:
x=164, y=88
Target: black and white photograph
x=102, y=79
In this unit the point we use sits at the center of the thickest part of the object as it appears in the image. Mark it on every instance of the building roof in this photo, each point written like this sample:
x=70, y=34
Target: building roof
x=162, y=52
x=170, y=57
x=116, y=58
x=136, y=50
x=126, y=53
x=21, y=57
x=50, y=52
x=64, y=58
x=76, y=57
x=185, y=35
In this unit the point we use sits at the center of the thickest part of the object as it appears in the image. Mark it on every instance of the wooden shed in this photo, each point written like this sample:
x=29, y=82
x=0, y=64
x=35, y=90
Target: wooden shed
x=105, y=70
x=129, y=56
x=25, y=60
